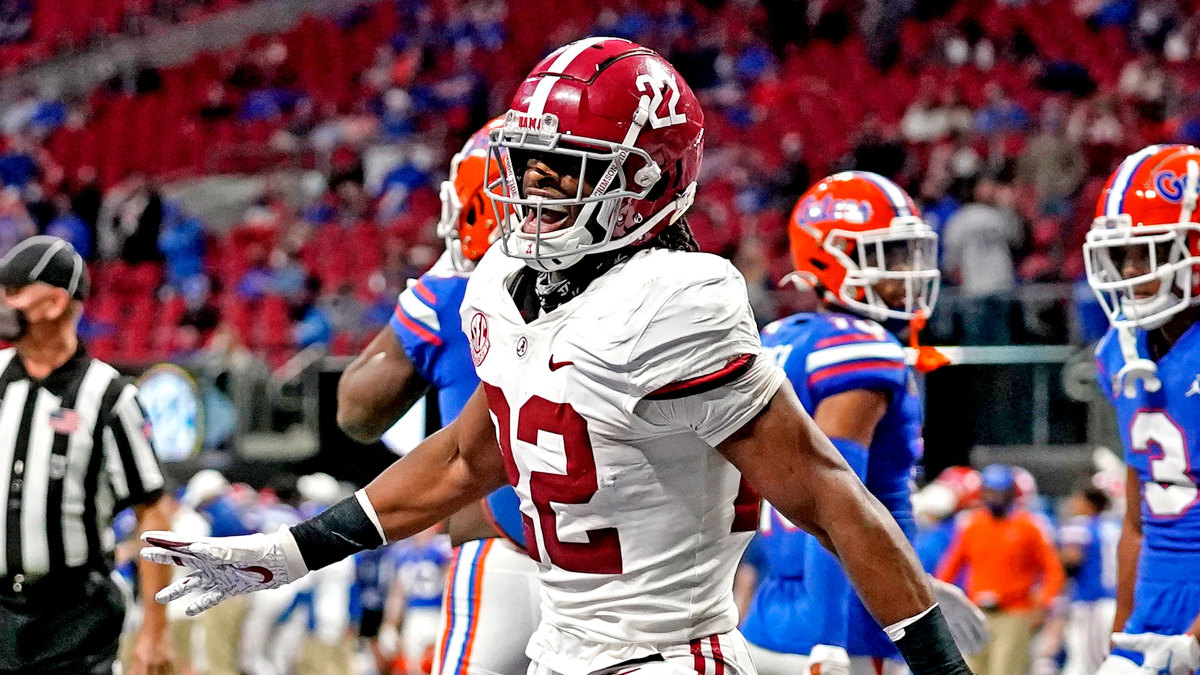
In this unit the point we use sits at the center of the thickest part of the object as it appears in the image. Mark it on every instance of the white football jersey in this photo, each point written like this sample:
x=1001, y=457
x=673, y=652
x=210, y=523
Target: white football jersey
x=608, y=410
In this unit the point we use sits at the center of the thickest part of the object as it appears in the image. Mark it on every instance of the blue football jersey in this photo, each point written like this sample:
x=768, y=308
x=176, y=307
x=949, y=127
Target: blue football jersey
x=1096, y=537
x=1160, y=431
x=1161, y=434
x=825, y=354
x=428, y=325
x=421, y=570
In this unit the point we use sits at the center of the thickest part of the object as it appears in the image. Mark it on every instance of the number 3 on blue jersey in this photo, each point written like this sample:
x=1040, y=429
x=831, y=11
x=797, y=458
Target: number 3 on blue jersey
x=1172, y=491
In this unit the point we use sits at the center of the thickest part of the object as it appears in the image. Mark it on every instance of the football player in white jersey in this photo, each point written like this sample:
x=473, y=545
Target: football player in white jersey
x=623, y=395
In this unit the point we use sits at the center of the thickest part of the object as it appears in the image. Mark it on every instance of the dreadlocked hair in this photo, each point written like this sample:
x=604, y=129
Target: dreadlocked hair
x=676, y=237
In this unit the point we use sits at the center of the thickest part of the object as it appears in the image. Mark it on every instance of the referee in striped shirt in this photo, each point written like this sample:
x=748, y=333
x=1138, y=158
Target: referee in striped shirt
x=74, y=450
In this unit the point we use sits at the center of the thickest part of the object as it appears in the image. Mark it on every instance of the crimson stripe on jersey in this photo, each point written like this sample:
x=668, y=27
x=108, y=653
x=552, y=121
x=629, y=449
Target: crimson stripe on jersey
x=718, y=658
x=698, y=385
x=852, y=368
x=697, y=657
x=745, y=508
x=843, y=339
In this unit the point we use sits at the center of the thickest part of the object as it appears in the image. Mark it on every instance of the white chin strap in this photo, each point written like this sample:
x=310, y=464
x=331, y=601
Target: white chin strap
x=1136, y=369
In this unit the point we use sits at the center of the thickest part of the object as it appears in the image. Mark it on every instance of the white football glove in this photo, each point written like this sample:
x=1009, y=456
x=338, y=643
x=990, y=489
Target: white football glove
x=225, y=566
x=1164, y=654
x=828, y=660
x=967, y=623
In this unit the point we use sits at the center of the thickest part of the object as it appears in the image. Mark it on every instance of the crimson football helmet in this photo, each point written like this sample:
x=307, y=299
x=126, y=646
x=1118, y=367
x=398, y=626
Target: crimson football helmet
x=618, y=118
x=855, y=229
x=1146, y=216
x=468, y=221
x=957, y=488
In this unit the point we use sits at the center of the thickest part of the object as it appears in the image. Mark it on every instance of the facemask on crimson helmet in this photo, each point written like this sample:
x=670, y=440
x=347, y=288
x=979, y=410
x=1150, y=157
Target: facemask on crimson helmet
x=600, y=150
x=1142, y=253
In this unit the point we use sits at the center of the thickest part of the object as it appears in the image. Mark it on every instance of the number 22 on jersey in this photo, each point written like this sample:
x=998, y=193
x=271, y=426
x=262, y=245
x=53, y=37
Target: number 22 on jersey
x=1171, y=490
x=601, y=554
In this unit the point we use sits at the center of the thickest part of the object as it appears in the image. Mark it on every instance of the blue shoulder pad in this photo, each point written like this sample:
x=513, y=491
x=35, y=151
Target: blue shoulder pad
x=426, y=318
x=830, y=353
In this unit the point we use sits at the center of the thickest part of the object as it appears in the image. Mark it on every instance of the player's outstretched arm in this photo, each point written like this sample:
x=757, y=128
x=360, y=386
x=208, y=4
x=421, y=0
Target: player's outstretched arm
x=1129, y=548
x=377, y=388
x=455, y=466
x=450, y=469
x=796, y=468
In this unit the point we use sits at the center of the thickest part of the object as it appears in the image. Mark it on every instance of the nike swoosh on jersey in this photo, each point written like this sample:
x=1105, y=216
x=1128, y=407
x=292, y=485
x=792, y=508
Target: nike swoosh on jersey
x=555, y=365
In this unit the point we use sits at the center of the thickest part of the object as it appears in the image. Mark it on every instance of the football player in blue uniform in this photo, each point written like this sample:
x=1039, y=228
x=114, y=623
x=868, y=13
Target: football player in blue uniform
x=1142, y=257
x=1088, y=546
x=858, y=240
x=491, y=604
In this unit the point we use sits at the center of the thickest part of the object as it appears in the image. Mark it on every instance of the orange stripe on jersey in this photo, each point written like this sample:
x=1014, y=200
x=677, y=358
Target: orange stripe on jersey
x=476, y=587
x=852, y=368
x=417, y=328
x=427, y=295
x=447, y=608
x=844, y=339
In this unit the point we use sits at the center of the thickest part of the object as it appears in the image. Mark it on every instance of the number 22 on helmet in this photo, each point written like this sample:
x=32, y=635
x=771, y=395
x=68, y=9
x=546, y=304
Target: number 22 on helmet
x=618, y=120
x=858, y=239
x=468, y=222
x=1142, y=253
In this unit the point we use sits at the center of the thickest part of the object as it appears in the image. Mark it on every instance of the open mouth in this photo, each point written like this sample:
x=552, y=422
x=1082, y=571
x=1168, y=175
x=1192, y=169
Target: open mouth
x=546, y=219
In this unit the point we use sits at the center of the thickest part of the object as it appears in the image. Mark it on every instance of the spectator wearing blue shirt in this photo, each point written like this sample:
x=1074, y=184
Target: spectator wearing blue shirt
x=312, y=326
x=69, y=226
x=18, y=164
x=182, y=244
x=1000, y=114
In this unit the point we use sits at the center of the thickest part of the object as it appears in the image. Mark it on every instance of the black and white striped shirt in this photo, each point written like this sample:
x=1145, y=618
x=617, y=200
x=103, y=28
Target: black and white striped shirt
x=74, y=449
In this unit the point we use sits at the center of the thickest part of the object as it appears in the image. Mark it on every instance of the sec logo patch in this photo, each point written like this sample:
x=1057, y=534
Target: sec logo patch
x=478, y=336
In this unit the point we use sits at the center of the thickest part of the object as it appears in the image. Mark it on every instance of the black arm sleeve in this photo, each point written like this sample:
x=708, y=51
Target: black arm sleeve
x=335, y=533
x=929, y=648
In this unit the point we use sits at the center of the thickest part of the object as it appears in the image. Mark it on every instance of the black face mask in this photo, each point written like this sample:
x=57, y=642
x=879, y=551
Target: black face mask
x=999, y=510
x=13, y=323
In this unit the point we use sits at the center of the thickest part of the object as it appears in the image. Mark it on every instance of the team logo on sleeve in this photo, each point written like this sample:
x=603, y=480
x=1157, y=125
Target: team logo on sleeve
x=478, y=335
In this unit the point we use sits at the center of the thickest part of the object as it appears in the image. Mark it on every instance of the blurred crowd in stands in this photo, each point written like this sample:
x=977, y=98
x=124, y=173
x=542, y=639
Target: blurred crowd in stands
x=1003, y=118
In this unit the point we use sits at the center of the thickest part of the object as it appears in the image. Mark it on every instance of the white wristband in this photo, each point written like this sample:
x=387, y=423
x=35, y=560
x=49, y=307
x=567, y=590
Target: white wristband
x=896, y=630
x=365, y=503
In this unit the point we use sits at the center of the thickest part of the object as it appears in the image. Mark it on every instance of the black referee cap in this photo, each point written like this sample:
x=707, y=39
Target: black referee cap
x=49, y=260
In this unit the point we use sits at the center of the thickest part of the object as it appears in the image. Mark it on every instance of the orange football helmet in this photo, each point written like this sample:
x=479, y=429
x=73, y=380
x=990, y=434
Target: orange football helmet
x=468, y=222
x=855, y=229
x=1146, y=216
